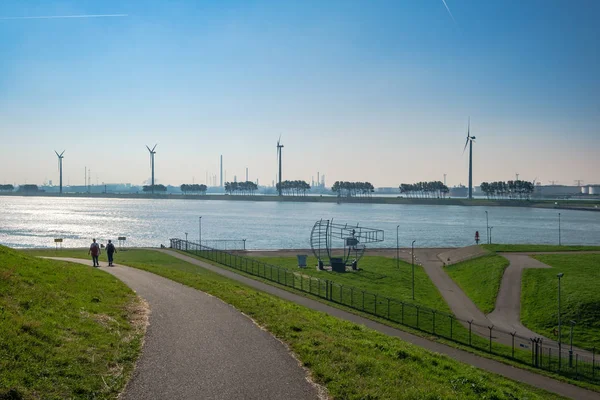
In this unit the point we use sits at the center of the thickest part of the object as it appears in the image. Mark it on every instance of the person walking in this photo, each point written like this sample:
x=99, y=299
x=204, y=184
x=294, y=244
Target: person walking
x=110, y=251
x=95, y=252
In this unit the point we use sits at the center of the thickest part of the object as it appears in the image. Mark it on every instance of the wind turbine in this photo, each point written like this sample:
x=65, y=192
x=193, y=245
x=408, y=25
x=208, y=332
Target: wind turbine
x=60, y=158
x=469, y=142
x=279, y=147
x=152, y=153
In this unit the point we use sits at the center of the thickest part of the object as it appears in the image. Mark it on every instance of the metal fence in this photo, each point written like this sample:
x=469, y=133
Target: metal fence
x=220, y=244
x=532, y=351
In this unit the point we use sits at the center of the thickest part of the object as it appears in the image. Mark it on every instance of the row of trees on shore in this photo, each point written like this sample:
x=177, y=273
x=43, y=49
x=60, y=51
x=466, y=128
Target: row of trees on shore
x=293, y=188
x=351, y=189
x=6, y=188
x=194, y=188
x=521, y=190
x=433, y=189
x=243, y=188
x=157, y=189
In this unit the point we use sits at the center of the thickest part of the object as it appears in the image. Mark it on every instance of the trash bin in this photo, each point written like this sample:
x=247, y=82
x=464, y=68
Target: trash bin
x=301, y=260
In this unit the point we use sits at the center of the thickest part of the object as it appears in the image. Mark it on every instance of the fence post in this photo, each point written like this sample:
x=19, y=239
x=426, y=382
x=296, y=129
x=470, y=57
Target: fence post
x=417, y=316
x=351, y=296
x=451, y=323
x=402, y=312
x=301, y=283
x=388, y=299
x=433, y=312
x=593, y=362
x=319, y=290
x=513, y=343
x=490, y=328
x=363, y=300
x=309, y=284
x=576, y=363
x=375, y=304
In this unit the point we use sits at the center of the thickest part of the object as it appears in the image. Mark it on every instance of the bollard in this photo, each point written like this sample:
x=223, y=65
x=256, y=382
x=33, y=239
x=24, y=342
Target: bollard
x=513, y=343
x=490, y=328
x=375, y=304
x=470, y=323
x=433, y=320
x=388, y=299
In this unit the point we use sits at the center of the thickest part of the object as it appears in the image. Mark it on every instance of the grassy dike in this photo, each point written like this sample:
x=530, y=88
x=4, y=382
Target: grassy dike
x=529, y=248
x=480, y=279
x=580, y=298
x=66, y=331
x=351, y=361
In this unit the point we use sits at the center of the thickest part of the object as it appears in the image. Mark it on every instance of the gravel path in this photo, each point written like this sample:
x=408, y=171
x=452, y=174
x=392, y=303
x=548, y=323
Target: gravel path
x=198, y=347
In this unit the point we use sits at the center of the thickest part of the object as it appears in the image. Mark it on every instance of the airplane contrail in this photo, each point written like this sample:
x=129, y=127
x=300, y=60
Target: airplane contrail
x=69, y=16
x=449, y=12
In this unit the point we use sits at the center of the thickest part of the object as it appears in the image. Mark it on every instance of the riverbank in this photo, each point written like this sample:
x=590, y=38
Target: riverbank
x=587, y=205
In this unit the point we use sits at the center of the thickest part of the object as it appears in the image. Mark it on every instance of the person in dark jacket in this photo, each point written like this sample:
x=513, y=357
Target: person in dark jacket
x=95, y=252
x=110, y=251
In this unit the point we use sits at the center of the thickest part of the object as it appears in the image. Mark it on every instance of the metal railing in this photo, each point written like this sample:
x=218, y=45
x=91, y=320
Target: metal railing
x=532, y=351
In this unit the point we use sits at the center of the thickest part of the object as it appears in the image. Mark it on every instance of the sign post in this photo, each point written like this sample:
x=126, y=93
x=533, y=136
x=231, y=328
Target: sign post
x=121, y=242
x=58, y=243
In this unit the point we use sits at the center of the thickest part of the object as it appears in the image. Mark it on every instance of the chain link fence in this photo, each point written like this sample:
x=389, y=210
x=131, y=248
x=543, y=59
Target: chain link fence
x=578, y=365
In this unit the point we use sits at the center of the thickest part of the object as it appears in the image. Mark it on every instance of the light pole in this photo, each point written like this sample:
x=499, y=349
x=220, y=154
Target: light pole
x=186, y=242
x=559, y=337
x=491, y=234
x=413, y=268
x=559, y=241
x=200, y=232
x=571, y=349
x=397, y=248
x=487, y=224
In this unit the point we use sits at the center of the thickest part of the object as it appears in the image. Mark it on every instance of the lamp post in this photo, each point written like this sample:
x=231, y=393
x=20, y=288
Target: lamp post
x=413, y=268
x=186, y=242
x=397, y=248
x=559, y=336
x=487, y=224
x=571, y=349
x=491, y=227
x=559, y=241
x=200, y=232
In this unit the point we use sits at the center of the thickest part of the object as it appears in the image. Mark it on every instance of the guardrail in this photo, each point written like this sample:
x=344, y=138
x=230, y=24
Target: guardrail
x=530, y=351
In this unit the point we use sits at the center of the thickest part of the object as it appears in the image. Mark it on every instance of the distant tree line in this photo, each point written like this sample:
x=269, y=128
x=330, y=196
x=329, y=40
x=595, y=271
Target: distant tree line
x=157, y=188
x=508, y=190
x=243, y=188
x=293, y=188
x=193, y=188
x=351, y=189
x=28, y=188
x=434, y=189
x=6, y=188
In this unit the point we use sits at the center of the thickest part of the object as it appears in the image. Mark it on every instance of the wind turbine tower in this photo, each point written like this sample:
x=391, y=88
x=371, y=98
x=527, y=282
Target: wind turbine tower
x=469, y=142
x=60, y=158
x=279, y=147
x=221, y=170
x=152, y=153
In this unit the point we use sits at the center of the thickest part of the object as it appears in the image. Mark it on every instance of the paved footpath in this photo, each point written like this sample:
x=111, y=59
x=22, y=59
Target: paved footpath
x=198, y=347
x=517, y=374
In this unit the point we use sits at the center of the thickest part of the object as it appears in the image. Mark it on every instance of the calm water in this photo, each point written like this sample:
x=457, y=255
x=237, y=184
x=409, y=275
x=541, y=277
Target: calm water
x=36, y=221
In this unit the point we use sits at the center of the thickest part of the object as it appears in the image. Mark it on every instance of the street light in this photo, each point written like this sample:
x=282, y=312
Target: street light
x=200, y=232
x=487, y=224
x=413, y=268
x=186, y=242
x=397, y=248
x=491, y=234
x=559, y=242
x=559, y=337
x=571, y=350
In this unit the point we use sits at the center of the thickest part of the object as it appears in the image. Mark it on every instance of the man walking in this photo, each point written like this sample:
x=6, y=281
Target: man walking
x=110, y=250
x=95, y=252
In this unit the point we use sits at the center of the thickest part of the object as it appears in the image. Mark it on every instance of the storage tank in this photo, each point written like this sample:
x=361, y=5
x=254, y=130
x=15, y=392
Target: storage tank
x=594, y=190
x=585, y=190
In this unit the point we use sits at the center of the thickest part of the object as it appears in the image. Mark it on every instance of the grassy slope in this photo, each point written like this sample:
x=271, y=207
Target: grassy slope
x=537, y=247
x=65, y=330
x=480, y=279
x=580, y=297
x=353, y=362
x=376, y=275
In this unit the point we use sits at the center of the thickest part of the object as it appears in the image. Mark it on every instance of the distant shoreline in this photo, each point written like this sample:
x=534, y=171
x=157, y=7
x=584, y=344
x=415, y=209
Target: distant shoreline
x=584, y=205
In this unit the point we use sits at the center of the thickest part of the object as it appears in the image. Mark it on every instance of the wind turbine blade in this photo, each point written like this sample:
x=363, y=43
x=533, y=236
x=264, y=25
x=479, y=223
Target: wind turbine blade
x=148, y=149
x=61, y=154
x=154, y=147
x=466, y=143
x=56, y=153
x=469, y=128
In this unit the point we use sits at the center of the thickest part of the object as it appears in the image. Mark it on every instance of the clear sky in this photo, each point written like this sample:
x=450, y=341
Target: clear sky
x=374, y=90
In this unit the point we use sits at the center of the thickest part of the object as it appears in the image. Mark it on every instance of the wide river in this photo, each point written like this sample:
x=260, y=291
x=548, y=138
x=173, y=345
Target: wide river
x=37, y=221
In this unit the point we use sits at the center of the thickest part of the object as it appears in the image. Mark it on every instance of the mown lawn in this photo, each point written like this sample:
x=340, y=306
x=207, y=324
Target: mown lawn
x=580, y=298
x=66, y=331
x=480, y=279
x=351, y=361
x=514, y=248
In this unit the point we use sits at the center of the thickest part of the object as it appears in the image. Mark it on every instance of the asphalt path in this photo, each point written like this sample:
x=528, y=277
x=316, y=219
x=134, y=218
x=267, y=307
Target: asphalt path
x=517, y=374
x=198, y=347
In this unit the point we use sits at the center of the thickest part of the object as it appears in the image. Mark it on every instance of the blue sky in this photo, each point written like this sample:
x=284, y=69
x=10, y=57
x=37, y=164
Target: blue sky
x=358, y=90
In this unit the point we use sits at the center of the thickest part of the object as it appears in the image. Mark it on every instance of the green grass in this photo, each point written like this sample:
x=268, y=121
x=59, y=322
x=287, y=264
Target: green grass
x=66, y=331
x=537, y=248
x=480, y=279
x=351, y=361
x=580, y=297
x=376, y=275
